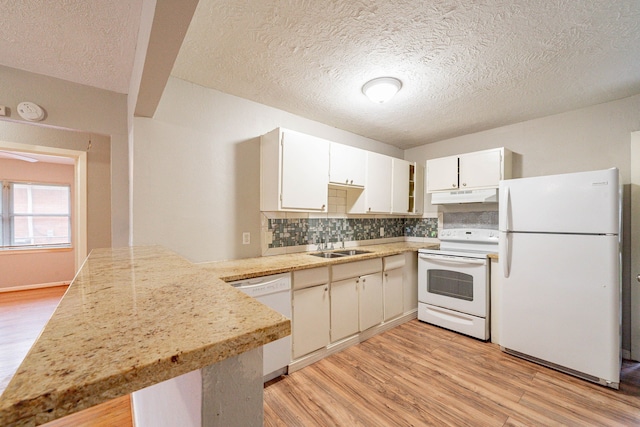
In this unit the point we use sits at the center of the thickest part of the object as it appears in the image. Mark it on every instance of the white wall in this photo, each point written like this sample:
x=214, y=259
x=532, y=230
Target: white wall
x=74, y=107
x=591, y=138
x=196, y=165
x=597, y=137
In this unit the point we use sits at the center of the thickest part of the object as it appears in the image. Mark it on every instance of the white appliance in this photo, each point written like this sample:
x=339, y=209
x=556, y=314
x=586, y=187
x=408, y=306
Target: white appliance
x=560, y=261
x=275, y=292
x=453, y=281
x=464, y=196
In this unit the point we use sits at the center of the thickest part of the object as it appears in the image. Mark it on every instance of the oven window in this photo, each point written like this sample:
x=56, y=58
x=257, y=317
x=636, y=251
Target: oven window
x=450, y=284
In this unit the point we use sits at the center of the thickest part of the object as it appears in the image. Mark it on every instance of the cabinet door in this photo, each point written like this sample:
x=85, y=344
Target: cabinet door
x=442, y=174
x=371, y=301
x=347, y=165
x=480, y=169
x=378, y=187
x=310, y=322
x=400, y=186
x=305, y=172
x=393, y=293
x=344, y=308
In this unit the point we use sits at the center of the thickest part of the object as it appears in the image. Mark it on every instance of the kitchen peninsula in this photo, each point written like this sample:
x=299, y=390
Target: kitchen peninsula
x=132, y=318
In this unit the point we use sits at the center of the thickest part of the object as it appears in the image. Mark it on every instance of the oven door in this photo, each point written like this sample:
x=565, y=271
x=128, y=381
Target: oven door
x=454, y=282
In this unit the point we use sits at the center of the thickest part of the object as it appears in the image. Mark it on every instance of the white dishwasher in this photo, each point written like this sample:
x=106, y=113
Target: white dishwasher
x=274, y=292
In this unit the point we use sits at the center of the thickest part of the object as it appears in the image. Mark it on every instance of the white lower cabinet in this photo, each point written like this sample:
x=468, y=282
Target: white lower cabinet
x=311, y=317
x=344, y=309
x=359, y=296
x=393, y=293
x=356, y=297
x=310, y=311
x=370, y=301
x=410, y=281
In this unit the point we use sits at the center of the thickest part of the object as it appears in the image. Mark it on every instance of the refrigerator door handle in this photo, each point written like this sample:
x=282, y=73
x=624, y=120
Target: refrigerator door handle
x=505, y=209
x=504, y=255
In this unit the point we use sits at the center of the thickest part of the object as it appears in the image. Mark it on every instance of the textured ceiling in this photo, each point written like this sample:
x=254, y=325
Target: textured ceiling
x=87, y=42
x=465, y=65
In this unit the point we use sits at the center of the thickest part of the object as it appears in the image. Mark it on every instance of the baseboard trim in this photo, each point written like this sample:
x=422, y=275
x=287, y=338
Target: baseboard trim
x=32, y=287
x=338, y=346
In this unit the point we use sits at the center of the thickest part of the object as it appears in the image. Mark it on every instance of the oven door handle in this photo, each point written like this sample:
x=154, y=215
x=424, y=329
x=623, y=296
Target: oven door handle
x=454, y=260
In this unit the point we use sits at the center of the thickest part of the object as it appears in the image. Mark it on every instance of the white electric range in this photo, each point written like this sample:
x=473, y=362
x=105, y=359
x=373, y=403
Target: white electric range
x=453, y=281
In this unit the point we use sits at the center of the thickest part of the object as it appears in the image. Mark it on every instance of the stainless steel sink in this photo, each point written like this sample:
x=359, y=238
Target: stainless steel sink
x=350, y=252
x=328, y=254
x=339, y=254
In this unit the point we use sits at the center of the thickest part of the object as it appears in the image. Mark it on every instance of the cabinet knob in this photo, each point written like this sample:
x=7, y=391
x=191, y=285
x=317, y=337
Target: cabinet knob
x=454, y=185
x=322, y=208
x=346, y=181
x=638, y=277
x=351, y=181
x=464, y=184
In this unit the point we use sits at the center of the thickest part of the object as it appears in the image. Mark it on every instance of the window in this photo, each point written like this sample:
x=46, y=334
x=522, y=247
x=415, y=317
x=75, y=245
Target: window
x=35, y=215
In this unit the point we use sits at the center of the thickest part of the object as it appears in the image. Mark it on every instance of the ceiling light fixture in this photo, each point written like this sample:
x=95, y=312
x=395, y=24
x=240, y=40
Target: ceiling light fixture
x=382, y=89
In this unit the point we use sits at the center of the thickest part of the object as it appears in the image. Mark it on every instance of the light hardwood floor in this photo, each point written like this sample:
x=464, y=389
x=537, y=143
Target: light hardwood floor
x=23, y=314
x=419, y=375
x=413, y=375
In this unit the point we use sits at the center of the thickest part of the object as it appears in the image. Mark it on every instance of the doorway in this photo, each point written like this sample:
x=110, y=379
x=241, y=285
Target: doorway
x=79, y=159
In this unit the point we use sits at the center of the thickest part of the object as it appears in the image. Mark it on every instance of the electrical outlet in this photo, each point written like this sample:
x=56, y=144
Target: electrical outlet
x=246, y=238
x=381, y=231
x=3, y=110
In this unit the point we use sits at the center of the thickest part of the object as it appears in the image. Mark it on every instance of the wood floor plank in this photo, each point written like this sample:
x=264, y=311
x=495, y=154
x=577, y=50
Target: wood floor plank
x=23, y=314
x=114, y=413
x=443, y=378
x=413, y=375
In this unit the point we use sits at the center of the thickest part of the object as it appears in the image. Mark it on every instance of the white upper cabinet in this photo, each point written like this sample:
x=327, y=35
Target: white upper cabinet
x=378, y=183
x=294, y=172
x=477, y=170
x=482, y=169
x=347, y=165
x=400, y=186
x=442, y=174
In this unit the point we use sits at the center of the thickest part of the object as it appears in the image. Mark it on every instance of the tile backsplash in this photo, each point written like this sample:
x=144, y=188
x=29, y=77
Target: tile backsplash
x=286, y=232
x=484, y=219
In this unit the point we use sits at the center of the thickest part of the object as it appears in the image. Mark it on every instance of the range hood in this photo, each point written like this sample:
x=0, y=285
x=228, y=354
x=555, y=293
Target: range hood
x=465, y=196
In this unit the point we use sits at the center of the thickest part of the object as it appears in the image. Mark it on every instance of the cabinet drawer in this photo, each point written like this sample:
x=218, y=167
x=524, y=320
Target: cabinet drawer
x=394, y=261
x=355, y=269
x=313, y=276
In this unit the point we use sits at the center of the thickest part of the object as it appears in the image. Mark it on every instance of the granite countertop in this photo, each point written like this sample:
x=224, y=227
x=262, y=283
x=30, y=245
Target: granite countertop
x=133, y=317
x=255, y=267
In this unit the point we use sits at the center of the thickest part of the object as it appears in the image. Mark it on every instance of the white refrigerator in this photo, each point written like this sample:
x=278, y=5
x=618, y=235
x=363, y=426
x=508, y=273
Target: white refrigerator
x=559, y=252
